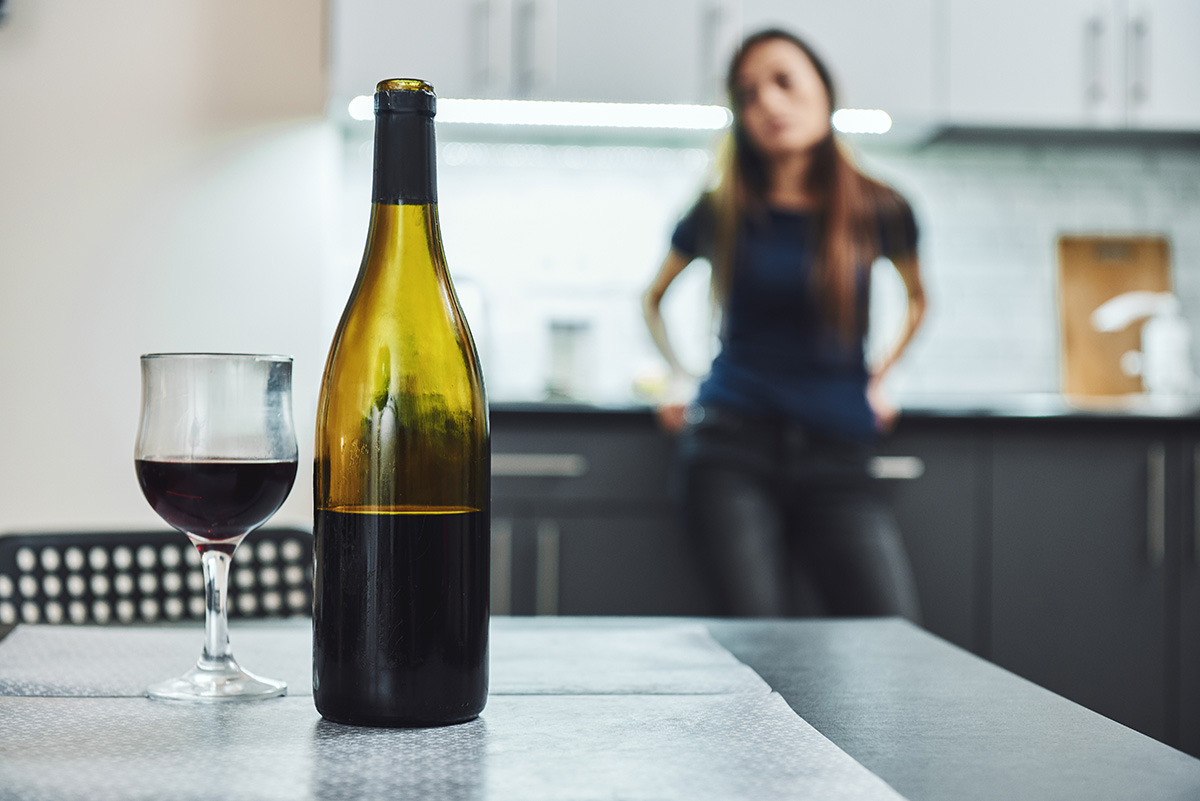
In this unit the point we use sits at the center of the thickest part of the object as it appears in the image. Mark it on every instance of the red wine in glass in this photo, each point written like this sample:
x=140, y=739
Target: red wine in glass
x=216, y=457
x=216, y=501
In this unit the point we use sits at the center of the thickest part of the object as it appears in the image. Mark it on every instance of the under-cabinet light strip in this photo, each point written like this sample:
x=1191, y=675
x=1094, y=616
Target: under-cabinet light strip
x=862, y=120
x=610, y=115
x=568, y=114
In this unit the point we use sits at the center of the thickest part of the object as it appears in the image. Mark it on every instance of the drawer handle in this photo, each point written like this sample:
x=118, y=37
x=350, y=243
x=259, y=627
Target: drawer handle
x=548, y=537
x=1196, y=504
x=1156, y=503
x=539, y=465
x=502, y=531
x=901, y=468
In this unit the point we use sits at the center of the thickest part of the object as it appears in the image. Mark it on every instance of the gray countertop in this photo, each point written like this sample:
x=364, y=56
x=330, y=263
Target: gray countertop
x=929, y=719
x=937, y=722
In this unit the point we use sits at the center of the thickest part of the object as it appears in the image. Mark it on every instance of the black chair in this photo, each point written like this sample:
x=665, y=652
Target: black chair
x=147, y=577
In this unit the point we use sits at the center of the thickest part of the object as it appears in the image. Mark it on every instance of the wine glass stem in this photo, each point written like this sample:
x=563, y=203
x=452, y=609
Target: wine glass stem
x=216, y=606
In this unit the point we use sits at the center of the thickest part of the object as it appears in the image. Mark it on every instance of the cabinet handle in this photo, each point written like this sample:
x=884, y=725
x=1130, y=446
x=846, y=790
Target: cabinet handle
x=538, y=465
x=547, y=567
x=1196, y=504
x=1139, y=85
x=710, y=28
x=525, y=15
x=1156, y=503
x=1093, y=35
x=502, y=567
x=480, y=37
x=904, y=468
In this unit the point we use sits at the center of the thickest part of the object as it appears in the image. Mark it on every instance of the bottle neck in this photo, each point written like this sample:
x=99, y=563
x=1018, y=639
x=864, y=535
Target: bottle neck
x=405, y=171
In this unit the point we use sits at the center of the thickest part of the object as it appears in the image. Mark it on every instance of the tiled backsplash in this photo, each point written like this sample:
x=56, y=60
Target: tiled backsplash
x=991, y=217
x=563, y=239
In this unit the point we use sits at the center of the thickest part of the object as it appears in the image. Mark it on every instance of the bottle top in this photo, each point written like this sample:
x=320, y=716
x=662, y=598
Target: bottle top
x=405, y=96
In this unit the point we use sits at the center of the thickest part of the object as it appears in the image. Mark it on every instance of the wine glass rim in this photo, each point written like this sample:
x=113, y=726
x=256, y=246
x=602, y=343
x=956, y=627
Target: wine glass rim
x=261, y=357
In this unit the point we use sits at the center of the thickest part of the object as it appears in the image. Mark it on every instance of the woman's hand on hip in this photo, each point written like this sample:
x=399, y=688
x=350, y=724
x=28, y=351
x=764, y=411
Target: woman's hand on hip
x=885, y=411
x=672, y=416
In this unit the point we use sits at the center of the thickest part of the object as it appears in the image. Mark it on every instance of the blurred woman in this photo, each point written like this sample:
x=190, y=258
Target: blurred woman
x=775, y=448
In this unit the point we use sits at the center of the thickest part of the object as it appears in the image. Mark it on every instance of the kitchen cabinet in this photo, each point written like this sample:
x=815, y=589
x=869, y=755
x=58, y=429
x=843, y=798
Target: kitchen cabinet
x=583, y=522
x=933, y=474
x=661, y=51
x=445, y=43
x=1163, y=63
x=563, y=562
x=1081, y=555
x=1029, y=63
x=634, y=51
x=1073, y=63
x=626, y=565
x=1184, y=485
x=881, y=54
x=628, y=51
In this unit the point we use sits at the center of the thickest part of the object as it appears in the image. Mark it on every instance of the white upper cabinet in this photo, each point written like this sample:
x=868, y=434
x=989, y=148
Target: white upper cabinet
x=1032, y=63
x=881, y=53
x=1163, y=58
x=662, y=51
x=1073, y=63
x=444, y=43
x=639, y=51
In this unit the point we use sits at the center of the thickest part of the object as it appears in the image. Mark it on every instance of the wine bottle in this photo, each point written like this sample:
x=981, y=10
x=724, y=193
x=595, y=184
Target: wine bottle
x=402, y=464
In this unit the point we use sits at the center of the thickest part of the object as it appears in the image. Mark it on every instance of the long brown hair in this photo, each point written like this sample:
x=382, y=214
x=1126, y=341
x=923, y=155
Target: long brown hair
x=850, y=203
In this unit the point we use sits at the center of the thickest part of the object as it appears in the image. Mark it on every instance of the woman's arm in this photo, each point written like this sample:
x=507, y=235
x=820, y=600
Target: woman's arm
x=670, y=412
x=910, y=274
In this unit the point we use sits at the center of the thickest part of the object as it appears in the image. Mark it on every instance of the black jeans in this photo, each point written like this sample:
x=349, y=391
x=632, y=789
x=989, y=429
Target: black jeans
x=789, y=524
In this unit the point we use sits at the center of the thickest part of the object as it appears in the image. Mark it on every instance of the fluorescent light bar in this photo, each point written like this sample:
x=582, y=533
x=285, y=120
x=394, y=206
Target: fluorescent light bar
x=862, y=121
x=569, y=114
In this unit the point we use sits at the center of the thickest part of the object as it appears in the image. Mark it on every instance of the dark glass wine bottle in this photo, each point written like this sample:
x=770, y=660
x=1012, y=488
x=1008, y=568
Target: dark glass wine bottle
x=402, y=463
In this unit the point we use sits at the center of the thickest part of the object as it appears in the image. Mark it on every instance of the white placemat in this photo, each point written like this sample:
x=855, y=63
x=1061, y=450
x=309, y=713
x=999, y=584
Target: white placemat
x=695, y=747
x=555, y=658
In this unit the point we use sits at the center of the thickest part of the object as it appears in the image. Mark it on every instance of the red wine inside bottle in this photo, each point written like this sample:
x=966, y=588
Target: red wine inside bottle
x=215, y=499
x=400, y=616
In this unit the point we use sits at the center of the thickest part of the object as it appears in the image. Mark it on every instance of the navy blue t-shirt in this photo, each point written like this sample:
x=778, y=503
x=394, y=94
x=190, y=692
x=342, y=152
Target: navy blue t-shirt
x=779, y=356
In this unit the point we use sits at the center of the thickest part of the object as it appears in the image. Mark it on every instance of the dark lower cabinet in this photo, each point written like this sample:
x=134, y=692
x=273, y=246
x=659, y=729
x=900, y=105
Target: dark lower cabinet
x=601, y=565
x=630, y=566
x=1080, y=563
x=937, y=494
x=1187, y=623
x=582, y=518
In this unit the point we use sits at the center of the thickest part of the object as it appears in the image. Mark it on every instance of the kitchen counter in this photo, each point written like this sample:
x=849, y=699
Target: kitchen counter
x=1023, y=406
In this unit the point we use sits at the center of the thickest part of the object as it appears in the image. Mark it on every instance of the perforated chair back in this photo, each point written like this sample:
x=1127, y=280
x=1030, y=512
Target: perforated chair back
x=147, y=577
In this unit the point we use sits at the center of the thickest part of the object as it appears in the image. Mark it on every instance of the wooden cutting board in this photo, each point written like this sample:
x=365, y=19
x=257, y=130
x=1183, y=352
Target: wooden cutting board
x=1092, y=270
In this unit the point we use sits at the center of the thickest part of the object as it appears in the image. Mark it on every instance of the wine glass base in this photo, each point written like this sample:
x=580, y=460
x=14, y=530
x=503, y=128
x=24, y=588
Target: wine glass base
x=223, y=681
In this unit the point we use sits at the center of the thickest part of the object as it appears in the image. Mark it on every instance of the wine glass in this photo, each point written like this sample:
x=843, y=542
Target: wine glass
x=216, y=457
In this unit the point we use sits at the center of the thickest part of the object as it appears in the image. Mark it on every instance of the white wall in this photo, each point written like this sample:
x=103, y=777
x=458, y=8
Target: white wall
x=162, y=174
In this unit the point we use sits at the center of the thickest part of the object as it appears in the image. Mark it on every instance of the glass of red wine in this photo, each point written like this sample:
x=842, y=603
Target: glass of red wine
x=216, y=457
